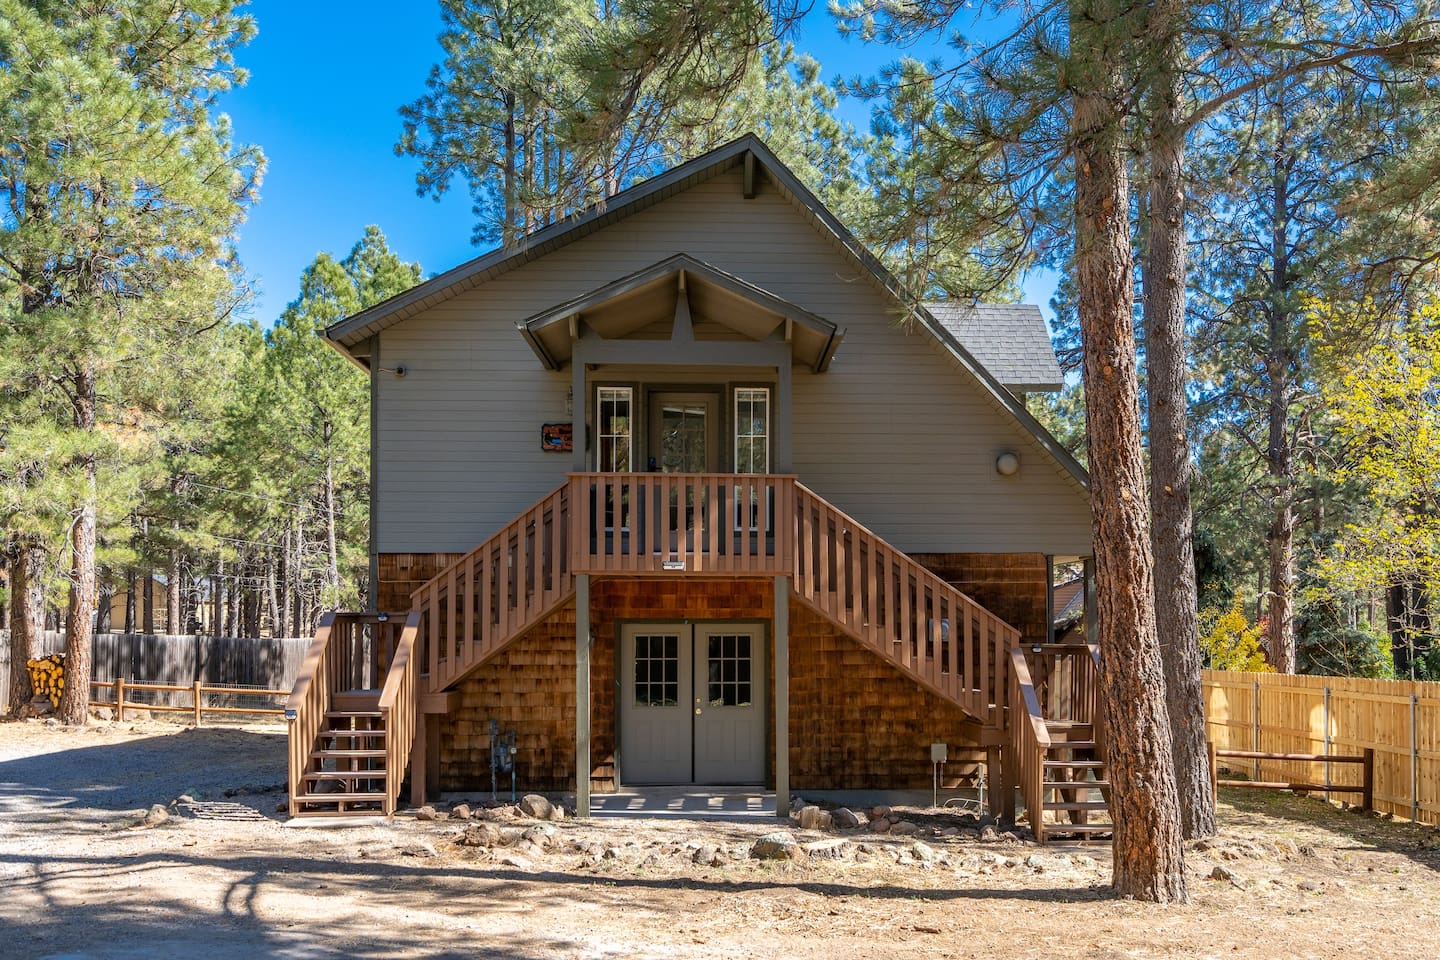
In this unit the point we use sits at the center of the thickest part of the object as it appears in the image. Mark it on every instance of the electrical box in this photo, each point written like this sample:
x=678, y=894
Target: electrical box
x=938, y=753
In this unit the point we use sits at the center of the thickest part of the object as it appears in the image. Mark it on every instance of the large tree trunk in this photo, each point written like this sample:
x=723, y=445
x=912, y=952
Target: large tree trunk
x=80, y=618
x=1279, y=455
x=174, y=600
x=27, y=618
x=147, y=621
x=105, y=598
x=1148, y=856
x=1172, y=524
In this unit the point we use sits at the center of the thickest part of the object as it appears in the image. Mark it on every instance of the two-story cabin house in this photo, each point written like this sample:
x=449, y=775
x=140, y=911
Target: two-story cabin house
x=687, y=490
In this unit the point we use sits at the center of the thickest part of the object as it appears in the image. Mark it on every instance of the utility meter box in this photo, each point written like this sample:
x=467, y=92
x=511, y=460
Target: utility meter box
x=938, y=753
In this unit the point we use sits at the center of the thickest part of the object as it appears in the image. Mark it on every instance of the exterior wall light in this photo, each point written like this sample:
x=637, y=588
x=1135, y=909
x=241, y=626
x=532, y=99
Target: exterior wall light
x=1007, y=464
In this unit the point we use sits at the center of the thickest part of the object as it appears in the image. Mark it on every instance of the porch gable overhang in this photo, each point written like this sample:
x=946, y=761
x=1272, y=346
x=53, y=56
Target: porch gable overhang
x=681, y=290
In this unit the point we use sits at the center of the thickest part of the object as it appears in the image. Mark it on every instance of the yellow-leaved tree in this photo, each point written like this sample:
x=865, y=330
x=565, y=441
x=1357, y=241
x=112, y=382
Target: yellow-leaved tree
x=1229, y=641
x=1383, y=408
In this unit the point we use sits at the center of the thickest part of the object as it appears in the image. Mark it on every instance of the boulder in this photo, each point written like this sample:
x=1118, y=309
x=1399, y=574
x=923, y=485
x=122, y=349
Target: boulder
x=988, y=834
x=502, y=812
x=534, y=805
x=1223, y=873
x=844, y=818
x=557, y=813
x=482, y=835
x=776, y=846
x=923, y=852
x=707, y=855
x=542, y=835
x=460, y=811
x=426, y=812
x=903, y=828
x=156, y=815
x=879, y=825
x=881, y=812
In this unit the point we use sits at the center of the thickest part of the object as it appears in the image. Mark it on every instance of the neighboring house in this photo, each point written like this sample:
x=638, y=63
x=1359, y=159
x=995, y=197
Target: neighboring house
x=693, y=461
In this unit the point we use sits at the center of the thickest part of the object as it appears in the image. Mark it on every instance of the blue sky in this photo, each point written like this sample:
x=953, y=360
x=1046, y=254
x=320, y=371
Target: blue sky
x=322, y=103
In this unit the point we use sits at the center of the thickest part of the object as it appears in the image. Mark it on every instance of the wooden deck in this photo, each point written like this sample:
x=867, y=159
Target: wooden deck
x=679, y=525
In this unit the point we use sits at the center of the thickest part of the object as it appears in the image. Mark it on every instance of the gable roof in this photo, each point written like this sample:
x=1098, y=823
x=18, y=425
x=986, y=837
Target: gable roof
x=749, y=151
x=732, y=301
x=1010, y=339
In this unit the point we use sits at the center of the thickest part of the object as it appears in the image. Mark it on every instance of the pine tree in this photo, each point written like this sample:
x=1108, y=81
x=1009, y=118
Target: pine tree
x=124, y=188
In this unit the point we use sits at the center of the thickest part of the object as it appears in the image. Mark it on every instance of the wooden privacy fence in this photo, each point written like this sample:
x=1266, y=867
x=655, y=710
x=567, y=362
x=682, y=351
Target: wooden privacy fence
x=268, y=663
x=233, y=700
x=1304, y=717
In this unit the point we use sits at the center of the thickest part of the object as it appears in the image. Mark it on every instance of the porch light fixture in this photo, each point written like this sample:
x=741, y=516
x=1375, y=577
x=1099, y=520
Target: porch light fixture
x=1007, y=464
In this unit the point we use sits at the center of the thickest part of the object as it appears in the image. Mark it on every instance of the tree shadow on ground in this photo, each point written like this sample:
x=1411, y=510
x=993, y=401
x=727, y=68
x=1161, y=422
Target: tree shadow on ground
x=1343, y=830
x=131, y=773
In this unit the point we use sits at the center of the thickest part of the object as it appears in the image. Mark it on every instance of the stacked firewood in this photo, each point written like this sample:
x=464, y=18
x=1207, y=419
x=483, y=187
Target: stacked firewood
x=47, y=677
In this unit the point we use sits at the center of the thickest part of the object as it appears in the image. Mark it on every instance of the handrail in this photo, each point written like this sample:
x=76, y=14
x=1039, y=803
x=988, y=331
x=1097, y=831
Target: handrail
x=899, y=608
x=488, y=597
x=682, y=523
x=399, y=703
x=1029, y=741
x=305, y=711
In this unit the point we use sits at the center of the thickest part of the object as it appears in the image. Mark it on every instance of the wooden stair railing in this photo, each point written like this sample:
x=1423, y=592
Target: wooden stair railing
x=1059, y=739
x=332, y=719
x=399, y=709
x=493, y=594
x=1029, y=741
x=890, y=603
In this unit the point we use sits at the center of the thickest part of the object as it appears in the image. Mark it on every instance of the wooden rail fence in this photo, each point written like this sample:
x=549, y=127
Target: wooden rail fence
x=1366, y=787
x=1291, y=728
x=198, y=692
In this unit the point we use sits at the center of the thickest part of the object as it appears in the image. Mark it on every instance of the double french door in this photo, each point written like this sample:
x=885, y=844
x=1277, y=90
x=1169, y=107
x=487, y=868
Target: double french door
x=692, y=703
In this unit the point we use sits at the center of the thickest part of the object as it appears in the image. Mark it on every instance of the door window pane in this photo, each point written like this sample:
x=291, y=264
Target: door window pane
x=657, y=670
x=752, y=430
x=613, y=421
x=682, y=437
x=728, y=670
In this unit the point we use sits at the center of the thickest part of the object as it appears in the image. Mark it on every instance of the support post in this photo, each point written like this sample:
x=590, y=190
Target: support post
x=1255, y=729
x=782, y=696
x=1092, y=604
x=1368, y=797
x=1325, y=718
x=1414, y=759
x=199, y=698
x=419, y=768
x=582, y=696
x=1214, y=772
x=120, y=701
x=1007, y=786
x=1050, y=599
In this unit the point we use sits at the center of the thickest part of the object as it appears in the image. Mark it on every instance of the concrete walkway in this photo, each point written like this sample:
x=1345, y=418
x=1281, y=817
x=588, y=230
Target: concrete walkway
x=685, y=803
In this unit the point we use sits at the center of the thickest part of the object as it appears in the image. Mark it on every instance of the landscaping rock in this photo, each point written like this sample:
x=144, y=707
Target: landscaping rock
x=880, y=825
x=923, y=852
x=460, y=812
x=557, y=813
x=903, y=828
x=155, y=816
x=484, y=835
x=707, y=856
x=844, y=818
x=881, y=812
x=776, y=846
x=503, y=812
x=541, y=836
x=988, y=834
x=534, y=805
x=427, y=813
x=417, y=849
x=1224, y=873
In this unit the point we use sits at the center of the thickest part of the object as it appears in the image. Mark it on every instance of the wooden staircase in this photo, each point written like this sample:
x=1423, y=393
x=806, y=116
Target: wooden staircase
x=350, y=737
x=1057, y=741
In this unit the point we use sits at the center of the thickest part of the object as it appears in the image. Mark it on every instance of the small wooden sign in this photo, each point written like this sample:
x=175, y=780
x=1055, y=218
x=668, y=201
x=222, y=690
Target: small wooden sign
x=557, y=437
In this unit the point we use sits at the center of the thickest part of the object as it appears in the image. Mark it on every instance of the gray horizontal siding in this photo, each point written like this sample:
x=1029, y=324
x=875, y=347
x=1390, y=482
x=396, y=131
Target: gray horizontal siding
x=895, y=433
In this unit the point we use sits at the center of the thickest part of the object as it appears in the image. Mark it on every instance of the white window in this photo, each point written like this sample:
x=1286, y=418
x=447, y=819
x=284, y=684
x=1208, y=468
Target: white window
x=752, y=430
x=614, y=453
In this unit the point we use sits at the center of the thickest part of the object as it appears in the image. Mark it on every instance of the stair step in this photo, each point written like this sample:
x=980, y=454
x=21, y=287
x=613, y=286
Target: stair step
x=1072, y=745
x=1077, y=784
x=345, y=775
x=1078, y=805
x=1073, y=764
x=353, y=714
x=342, y=754
x=359, y=797
x=1079, y=828
x=352, y=733
x=1066, y=724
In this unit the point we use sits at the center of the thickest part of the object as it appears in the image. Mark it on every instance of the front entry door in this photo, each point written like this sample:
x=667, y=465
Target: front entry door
x=692, y=704
x=684, y=433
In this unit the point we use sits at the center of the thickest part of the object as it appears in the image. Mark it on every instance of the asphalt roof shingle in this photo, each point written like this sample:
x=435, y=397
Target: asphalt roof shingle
x=1009, y=339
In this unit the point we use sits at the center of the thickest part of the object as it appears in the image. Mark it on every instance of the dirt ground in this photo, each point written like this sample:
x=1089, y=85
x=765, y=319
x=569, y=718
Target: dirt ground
x=80, y=879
